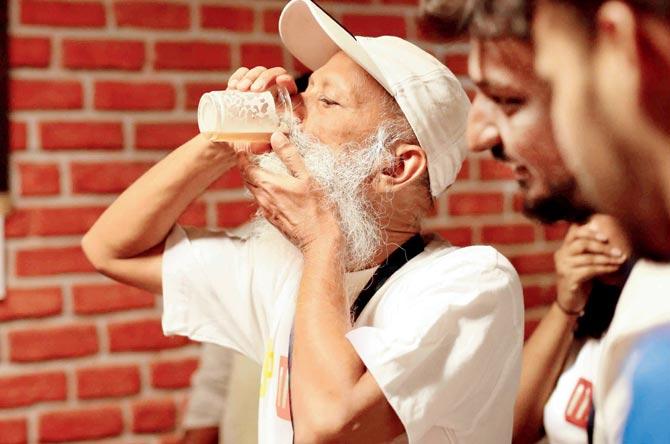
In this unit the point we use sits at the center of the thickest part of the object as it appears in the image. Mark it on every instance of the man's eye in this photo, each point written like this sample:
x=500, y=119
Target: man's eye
x=327, y=101
x=509, y=102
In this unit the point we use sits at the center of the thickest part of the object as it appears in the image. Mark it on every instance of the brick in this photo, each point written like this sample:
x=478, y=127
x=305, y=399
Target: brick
x=457, y=63
x=232, y=214
x=459, y=236
x=194, y=55
x=475, y=203
x=517, y=203
x=81, y=424
x=173, y=374
x=271, y=21
x=164, y=136
x=136, y=96
x=375, y=25
x=537, y=296
x=106, y=382
x=491, y=169
x=13, y=431
x=556, y=231
x=151, y=416
x=142, y=335
x=88, y=14
x=534, y=263
x=56, y=135
x=508, y=234
x=24, y=303
x=45, y=94
x=261, y=54
x=29, y=389
x=464, y=172
x=230, y=180
x=529, y=327
x=231, y=18
x=195, y=215
x=103, y=54
x=105, y=177
x=401, y=2
x=39, y=179
x=106, y=298
x=52, y=221
x=53, y=343
x=51, y=261
x=18, y=134
x=195, y=90
x=33, y=52
x=152, y=14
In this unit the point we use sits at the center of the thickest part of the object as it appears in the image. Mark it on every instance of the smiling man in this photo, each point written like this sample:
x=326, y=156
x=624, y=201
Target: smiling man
x=368, y=331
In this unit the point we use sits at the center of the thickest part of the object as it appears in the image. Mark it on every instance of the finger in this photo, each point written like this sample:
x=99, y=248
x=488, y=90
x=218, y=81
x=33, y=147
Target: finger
x=258, y=177
x=588, y=273
x=253, y=148
x=288, y=82
x=267, y=78
x=250, y=77
x=288, y=154
x=583, y=246
x=591, y=231
x=236, y=77
x=570, y=235
x=595, y=259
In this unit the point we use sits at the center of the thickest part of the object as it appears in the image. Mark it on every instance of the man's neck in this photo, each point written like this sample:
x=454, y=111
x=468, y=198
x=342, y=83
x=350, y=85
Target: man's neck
x=394, y=238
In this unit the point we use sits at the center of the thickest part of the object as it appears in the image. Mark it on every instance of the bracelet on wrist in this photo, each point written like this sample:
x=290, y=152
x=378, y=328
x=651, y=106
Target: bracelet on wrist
x=577, y=313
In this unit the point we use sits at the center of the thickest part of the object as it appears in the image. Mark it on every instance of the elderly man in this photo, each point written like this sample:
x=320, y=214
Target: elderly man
x=361, y=341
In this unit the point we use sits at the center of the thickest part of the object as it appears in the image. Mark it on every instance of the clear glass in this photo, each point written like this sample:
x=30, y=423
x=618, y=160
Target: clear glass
x=244, y=116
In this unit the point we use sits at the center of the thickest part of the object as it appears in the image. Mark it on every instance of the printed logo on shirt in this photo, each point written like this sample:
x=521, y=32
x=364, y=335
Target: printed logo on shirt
x=283, y=402
x=579, y=406
x=266, y=373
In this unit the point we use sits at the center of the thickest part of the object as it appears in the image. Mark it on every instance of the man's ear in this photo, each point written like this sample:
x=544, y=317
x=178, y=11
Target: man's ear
x=410, y=164
x=644, y=40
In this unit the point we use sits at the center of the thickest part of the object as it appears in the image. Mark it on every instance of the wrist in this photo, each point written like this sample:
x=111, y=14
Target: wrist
x=568, y=310
x=213, y=154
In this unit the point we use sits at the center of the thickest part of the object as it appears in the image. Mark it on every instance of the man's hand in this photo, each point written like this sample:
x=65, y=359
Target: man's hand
x=294, y=204
x=261, y=78
x=584, y=255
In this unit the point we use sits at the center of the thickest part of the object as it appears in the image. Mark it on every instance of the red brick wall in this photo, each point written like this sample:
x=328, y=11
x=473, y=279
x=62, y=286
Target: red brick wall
x=100, y=90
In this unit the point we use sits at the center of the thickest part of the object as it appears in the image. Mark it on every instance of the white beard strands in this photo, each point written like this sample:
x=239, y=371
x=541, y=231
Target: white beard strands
x=344, y=175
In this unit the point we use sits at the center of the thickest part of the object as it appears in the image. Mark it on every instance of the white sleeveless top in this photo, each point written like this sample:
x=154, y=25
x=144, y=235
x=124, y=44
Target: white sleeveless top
x=566, y=414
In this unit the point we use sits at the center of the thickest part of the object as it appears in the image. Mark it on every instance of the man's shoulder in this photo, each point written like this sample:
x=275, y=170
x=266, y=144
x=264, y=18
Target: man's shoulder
x=441, y=257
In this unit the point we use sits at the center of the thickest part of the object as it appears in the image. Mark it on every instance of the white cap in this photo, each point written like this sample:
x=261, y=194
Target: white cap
x=428, y=93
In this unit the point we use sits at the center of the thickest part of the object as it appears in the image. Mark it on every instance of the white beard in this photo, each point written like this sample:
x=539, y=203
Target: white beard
x=344, y=175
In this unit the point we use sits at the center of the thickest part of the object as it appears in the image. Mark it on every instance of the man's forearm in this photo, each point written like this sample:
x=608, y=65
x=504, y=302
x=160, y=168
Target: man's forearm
x=143, y=215
x=325, y=367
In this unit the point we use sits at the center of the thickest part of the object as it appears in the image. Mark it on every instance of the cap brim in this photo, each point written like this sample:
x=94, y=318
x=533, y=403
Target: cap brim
x=313, y=37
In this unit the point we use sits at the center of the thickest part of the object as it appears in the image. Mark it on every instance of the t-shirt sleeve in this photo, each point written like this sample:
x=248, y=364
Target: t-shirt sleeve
x=449, y=345
x=207, y=291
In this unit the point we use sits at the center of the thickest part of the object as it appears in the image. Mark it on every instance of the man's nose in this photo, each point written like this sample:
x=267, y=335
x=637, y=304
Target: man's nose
x=483, y=133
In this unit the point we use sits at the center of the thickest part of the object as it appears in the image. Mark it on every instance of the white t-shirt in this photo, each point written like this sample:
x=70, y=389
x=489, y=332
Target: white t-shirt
x=442, y=337
x=566, y=413
x=644, y=304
